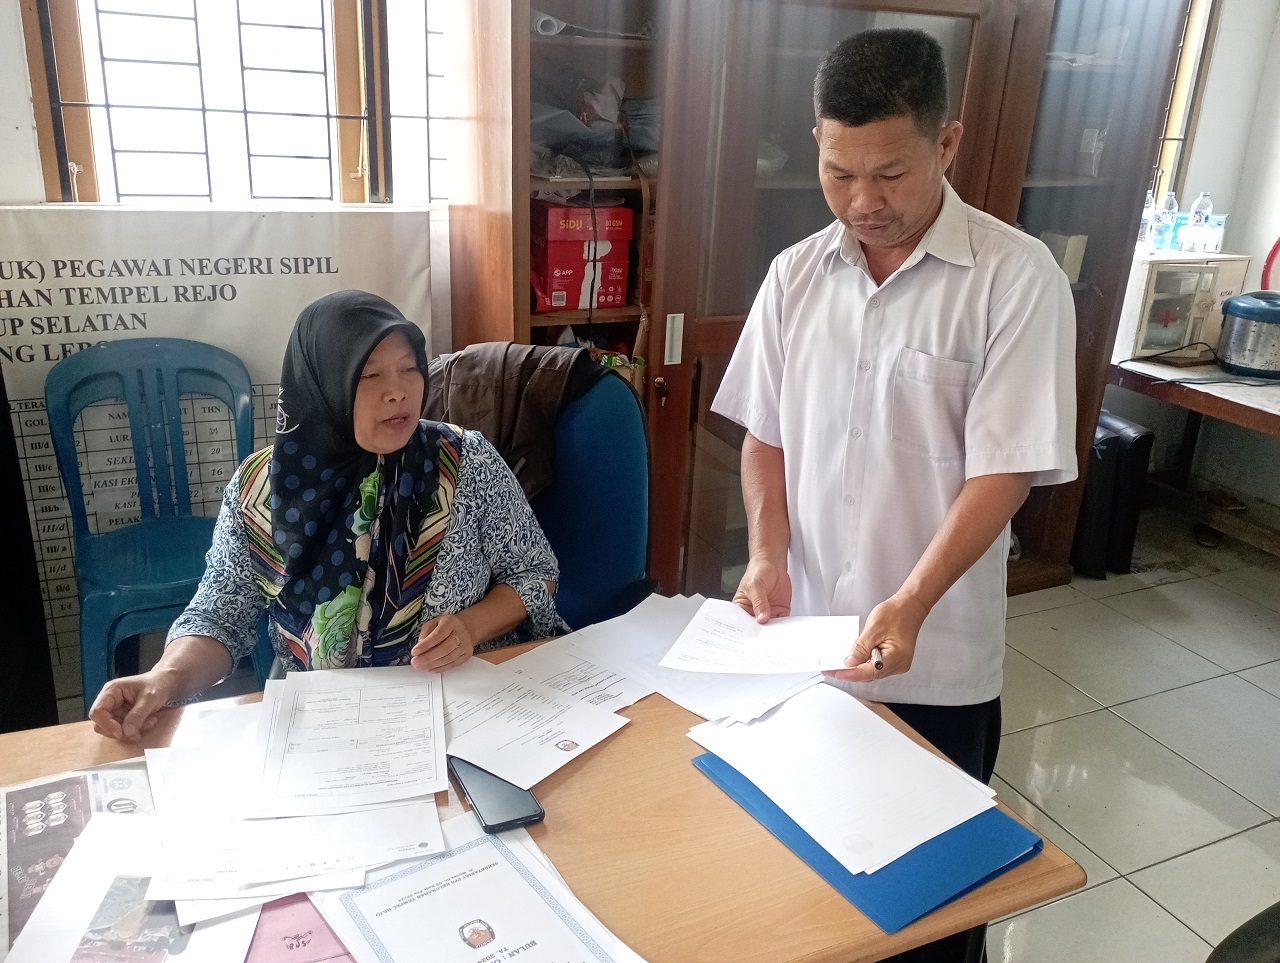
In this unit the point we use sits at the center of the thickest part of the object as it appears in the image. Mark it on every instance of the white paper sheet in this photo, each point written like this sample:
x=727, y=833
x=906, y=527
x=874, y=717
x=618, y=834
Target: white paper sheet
x=864, y=791
x=216, y=859
x=199, y=910
x=97, y=900
x=561, y=665
x=483, y=899
x=634, y=644
x=516, y=729
x=721, y=637
x=204, y=725
x=348, y=737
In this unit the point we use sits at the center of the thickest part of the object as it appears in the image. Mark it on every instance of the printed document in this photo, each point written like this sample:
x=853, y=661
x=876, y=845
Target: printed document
x=864, y=791
x=481, y=899
x=634, y=644
x=560, y=665
x=520, y=731
x=721, y=637
x=341, y=738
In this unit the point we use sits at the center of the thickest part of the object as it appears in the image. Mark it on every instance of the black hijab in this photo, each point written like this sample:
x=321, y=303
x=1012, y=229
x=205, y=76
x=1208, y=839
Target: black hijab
x=338, y=595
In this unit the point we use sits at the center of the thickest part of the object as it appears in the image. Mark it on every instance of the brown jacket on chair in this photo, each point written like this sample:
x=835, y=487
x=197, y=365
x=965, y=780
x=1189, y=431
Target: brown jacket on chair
x=511, y=394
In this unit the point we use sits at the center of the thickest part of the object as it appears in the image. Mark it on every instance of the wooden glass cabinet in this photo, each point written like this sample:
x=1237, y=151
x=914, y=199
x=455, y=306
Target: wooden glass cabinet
x=736, y=182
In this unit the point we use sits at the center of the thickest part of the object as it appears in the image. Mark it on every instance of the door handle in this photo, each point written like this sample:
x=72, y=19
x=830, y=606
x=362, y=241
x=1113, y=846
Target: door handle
x=660, y=386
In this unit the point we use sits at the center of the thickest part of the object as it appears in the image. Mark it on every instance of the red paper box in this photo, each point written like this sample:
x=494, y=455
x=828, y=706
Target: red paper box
x=562, y=285
x=558, y=222
x=567, y=264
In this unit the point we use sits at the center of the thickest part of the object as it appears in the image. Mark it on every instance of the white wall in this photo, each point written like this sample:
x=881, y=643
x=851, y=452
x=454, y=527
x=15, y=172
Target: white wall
x=1218, y=149
x=1236, y=155
x=1239, y=459
x=1255, y=225
x=20, y=178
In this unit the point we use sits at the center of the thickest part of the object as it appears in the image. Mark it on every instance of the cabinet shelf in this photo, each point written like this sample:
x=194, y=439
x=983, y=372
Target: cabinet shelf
x=630, y=312
x=560, y=42
x=1057, y=179
x=788, y=182
x=1064, y=68
x=603, y=182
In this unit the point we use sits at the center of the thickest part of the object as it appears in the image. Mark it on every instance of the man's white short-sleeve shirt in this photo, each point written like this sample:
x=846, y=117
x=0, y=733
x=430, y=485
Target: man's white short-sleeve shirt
x=885, y=399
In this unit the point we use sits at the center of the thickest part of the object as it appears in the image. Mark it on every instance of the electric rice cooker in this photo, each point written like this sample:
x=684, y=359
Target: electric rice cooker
x=1250, y=342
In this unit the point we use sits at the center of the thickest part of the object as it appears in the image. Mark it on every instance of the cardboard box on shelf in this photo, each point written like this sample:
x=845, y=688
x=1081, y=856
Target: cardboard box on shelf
x=566, y=284
x=559, y=222
x=570, y=258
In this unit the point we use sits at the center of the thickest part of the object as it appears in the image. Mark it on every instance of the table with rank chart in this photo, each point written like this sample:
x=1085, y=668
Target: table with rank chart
x=105, y=454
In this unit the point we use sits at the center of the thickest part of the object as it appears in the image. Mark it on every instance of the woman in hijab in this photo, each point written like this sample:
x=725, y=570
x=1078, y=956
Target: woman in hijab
x=369, y=536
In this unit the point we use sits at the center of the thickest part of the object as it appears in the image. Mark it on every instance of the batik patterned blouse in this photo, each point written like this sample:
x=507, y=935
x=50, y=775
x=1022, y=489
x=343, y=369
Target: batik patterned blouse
x=492, y=538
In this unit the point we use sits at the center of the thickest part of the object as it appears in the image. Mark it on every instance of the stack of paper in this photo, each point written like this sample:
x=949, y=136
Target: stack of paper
x=863, y=790
x=635, y=644
x=896, y=829
x=347, y=760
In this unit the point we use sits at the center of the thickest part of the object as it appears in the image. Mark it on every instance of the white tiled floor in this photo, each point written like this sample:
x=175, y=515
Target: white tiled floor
x=1141, y=724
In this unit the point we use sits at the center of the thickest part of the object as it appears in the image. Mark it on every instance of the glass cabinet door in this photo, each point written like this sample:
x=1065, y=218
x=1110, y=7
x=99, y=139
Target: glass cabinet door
x=1102, y=94
x=762, y=195
x=763, y=165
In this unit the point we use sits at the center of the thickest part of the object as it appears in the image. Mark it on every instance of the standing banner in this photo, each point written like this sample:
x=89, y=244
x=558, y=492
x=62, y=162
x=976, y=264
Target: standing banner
x=75, y=275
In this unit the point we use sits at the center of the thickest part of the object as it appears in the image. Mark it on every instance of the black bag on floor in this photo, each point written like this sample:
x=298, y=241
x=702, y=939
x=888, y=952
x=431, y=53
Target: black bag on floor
x=1135, y=444
x=1089, y=550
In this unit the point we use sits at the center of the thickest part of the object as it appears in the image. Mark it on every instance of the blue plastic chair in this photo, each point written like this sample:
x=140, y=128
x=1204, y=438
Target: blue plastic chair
x=596, y=512
x=140, y=577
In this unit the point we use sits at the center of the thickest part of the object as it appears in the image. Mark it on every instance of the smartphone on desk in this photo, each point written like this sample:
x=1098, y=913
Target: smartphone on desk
x=498, y=804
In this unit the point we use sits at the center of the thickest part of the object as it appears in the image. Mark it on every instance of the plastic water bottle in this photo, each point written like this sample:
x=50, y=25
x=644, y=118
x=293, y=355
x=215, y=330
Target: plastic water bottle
x=1163, y=228
x=1198, y=223
x=1201, y=209
x=1144, y=229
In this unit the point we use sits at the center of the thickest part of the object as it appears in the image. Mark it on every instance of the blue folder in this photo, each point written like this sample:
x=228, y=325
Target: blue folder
x=931, y=875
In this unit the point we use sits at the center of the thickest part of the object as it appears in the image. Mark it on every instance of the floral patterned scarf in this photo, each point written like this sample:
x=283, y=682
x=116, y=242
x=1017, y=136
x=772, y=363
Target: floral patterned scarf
x=343, y=541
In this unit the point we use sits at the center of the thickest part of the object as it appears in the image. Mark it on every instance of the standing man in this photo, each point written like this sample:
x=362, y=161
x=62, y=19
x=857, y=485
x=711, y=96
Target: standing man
x=905, y=376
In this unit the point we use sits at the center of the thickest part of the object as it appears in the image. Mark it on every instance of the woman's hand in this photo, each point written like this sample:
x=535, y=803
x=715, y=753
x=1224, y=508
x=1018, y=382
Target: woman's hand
x=444, y=642
x=128, y=708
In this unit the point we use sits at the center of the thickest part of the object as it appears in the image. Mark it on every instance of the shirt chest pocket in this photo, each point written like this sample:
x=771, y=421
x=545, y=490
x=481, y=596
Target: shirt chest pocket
x=930, y=400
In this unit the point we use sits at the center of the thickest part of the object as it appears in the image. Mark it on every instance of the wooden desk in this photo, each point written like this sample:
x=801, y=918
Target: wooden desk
x=1247, y=405
x=665, y=859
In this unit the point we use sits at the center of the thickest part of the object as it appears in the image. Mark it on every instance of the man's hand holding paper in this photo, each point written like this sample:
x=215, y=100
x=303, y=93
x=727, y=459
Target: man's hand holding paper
x=722, y=637
x=892, y=627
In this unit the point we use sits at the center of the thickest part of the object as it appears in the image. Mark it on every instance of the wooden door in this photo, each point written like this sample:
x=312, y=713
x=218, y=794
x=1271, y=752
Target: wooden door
x=739, y=184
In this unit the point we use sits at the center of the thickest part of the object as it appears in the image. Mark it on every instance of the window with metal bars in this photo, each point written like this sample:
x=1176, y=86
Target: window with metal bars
x=260, y=101
x=1184, y=98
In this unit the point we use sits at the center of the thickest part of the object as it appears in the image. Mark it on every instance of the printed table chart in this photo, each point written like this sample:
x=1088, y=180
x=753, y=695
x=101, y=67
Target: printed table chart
x=105, y=453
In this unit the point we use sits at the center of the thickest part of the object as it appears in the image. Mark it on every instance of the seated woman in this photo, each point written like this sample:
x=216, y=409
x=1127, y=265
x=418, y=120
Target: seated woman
x=370, y=537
